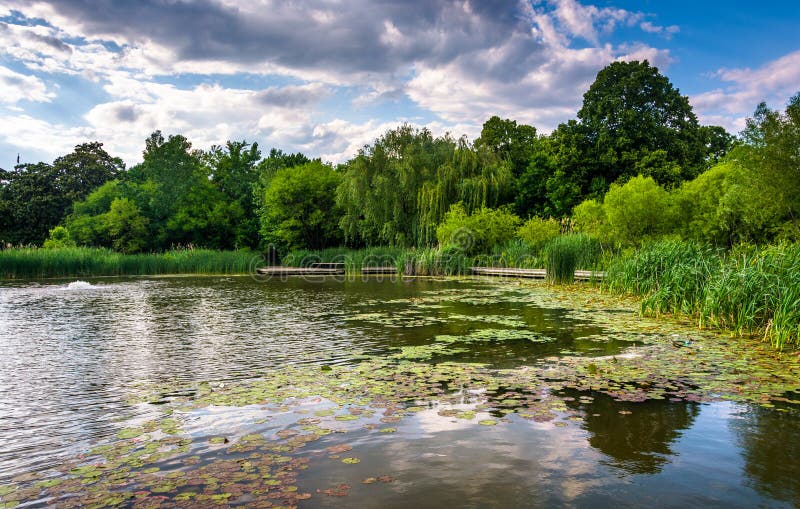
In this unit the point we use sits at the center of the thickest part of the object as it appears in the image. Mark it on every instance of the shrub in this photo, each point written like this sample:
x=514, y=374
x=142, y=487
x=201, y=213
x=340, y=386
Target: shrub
x=537, y=231
x=638, y=210
x=59, y=237
x=478, y=232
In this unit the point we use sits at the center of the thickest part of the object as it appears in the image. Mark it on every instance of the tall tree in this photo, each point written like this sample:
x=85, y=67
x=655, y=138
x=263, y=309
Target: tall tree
x=631, y=111
x=398, y=190
x=34, y=198
x=299, y=207
x=770, y=158
x=233, y=171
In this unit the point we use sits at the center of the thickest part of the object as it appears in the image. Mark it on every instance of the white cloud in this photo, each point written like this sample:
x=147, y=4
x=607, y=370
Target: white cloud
x=462, y=60
x=16, y=87
x=729, y=106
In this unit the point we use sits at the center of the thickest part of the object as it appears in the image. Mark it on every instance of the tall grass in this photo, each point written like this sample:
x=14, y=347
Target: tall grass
x=420, y=262
x=86, y=262
x=746, y=291
x=566, y=253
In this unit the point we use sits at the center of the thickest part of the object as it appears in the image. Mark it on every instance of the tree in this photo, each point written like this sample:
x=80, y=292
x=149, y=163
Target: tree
x=770, y=156
x=299, y=207
x=32, y=203
x=34, y=198
x=397, y=190
x=233, y=171
x=630, y=111
x=509, y=141
x=85, y=169
x=126, y=226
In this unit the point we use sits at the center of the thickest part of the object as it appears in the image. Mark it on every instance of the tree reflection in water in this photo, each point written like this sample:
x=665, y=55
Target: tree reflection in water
x=638, y=442
x=769, y=439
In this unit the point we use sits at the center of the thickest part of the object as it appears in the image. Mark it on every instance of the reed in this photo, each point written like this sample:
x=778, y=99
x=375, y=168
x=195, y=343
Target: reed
x=747, y=291
x=566, y=253
x=87, y=262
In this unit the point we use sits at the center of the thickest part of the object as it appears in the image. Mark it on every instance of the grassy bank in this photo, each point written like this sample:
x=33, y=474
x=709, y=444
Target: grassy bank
x=85, y=262
x=748, y=290
x=577, y=251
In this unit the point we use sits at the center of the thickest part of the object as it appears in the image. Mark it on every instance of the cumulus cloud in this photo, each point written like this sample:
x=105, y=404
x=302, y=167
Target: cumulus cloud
x=729, y=106
x=462, y=60
x=15, y=87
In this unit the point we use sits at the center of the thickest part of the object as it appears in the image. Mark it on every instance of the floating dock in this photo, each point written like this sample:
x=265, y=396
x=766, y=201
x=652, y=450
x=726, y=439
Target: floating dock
x=580, y=275
x=379, y=270
x=299, y=271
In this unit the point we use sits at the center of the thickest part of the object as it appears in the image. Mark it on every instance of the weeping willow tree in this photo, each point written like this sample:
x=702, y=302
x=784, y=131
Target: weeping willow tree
x=398, y=190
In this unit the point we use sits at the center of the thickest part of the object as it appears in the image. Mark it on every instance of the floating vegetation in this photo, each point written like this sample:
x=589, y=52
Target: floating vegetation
x=302, y=415
x=482, y=335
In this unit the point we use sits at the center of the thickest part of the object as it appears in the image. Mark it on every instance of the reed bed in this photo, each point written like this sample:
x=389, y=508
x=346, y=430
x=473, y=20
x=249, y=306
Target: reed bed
x=748, y=291
x=87, y=261
x=566, y=253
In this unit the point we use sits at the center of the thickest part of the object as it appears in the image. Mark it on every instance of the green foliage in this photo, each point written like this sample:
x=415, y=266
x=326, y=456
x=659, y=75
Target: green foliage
x=233, y=172
x=638, y=210
x=398, y=190
x=477, y=232
x=538, y=231
x=770, y=158
x=445, y=261
x=299, y=209
x=126, y=226
x=509, y=141
x=589, y=217
x=748, y=291
x=59, y=237
x=86, y=261
x=566, y=253
x=708, y=208
x=34, y=198
x=632, y=111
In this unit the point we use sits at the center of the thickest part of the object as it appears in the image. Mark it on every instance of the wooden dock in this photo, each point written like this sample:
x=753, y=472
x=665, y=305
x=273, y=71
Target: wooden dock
x=580, y=275
x=299, y=271
x=327, y=265
x=379, y=270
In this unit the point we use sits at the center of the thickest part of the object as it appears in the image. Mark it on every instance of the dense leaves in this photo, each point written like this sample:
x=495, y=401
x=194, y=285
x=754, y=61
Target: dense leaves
x=34, y=198
x=299, y=208
x=634, y=165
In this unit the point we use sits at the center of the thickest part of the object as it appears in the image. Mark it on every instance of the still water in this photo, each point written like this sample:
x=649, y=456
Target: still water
x=73, y=355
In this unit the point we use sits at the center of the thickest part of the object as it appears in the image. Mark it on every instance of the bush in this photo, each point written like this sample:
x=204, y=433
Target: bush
x=537, y=231
x=589, y=217
x=638, y=210
x=478, y=232
x=59, y=237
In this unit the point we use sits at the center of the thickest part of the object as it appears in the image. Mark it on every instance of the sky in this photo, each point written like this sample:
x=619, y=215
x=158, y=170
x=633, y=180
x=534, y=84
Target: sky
x=326, y=77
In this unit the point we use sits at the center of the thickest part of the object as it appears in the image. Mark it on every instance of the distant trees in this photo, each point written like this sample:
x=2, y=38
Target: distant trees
x=299, y=207
x=34, y=198
x=635, y=164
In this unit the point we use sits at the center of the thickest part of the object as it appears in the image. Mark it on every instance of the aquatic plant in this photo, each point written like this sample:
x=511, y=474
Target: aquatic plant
x=87, y=261
x=753, y=291
x=566, y=253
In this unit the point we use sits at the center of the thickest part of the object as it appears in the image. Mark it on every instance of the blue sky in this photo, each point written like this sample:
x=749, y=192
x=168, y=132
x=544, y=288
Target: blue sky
x=326, y=77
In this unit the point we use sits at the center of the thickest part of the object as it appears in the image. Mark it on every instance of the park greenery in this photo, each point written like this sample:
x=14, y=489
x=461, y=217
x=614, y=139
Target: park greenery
x=627, y=184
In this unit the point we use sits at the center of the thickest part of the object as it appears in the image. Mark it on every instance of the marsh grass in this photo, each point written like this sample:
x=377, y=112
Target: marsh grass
x=566, y=253
x=748, y=291
x=86, y=262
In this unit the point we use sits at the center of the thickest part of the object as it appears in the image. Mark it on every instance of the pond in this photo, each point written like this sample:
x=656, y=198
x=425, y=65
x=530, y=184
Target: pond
x=227, y=391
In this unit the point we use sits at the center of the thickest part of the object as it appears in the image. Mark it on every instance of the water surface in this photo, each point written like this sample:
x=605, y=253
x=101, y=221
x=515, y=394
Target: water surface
x=73, y=354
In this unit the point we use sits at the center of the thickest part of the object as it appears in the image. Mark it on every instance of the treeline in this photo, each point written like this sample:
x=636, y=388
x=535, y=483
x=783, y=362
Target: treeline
x=634, y=165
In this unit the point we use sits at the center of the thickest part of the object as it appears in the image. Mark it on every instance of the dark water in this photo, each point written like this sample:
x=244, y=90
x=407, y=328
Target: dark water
x=72, y=353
